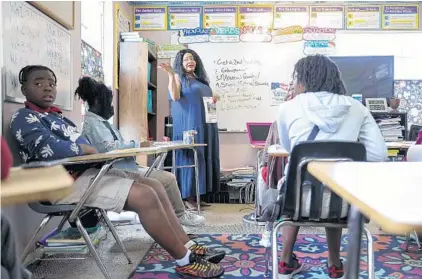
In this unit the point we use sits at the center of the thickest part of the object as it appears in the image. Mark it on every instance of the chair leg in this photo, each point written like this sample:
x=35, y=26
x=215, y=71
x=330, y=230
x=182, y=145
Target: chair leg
x=269, y=227
x=62, y=222
x=115, y=235
x=91, y=247
x=274, y=246
x=31, y=242
x=406, y=247
x=417, y=240
x=371, y=270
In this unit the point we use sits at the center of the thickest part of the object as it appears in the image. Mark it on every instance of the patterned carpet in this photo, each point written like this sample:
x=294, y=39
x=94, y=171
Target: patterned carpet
x=245, y=257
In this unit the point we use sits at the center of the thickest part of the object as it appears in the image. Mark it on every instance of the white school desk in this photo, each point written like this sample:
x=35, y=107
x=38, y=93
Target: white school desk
x=173, y=146
x=400, y=144
x=387, y=192
x=29, y=185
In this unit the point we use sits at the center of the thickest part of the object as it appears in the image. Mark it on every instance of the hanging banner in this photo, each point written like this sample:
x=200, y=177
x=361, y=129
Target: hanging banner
x=403, y=17
x=260, y=16
x=290, y=16
x=319, y=47
x=184, y=18
x=255, y=34
x=224, y=35
x=192, y=36
x=168, y=51
x=150, y=18
x=220, y=17
x=287, y=35
x=327, y=17
x=361, y=17
x=319, y=34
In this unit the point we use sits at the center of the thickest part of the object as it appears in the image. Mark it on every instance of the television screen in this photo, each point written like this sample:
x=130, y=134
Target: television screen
x=371, y=76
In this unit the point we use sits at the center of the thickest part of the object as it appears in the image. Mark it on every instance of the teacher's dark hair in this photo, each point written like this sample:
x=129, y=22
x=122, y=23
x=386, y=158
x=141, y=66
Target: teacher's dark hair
x=201, y=74
x=319, y=73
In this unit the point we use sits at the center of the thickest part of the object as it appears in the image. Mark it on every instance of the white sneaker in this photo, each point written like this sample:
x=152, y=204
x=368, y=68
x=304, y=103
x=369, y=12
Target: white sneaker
x=191, y=219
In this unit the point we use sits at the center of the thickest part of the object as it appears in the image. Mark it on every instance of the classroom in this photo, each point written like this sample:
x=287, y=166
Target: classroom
x=211, y=139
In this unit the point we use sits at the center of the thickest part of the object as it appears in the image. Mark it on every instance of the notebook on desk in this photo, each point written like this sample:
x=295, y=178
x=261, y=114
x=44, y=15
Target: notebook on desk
x=258, y=132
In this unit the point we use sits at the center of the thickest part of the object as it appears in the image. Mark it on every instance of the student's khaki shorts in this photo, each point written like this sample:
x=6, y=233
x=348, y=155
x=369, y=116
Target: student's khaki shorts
x=110, y=193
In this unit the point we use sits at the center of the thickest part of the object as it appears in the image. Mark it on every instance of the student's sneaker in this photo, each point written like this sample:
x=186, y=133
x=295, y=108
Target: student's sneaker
x=335, y=272
x=199, y=267
x=209, y=254
x=190, y=219
x=288, y=270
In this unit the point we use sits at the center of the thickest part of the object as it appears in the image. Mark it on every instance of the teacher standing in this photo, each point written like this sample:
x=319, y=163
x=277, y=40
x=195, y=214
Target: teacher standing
x=188, y=90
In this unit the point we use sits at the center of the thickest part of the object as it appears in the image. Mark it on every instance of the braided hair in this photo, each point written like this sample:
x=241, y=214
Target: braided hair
x=27, y=70
x=201, y=74
x=93, y=92
x=319, y=73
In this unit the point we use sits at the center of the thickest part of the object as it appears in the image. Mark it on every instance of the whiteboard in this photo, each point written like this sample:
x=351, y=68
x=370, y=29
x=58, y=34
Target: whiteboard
x=32, y=38
x=245, y=88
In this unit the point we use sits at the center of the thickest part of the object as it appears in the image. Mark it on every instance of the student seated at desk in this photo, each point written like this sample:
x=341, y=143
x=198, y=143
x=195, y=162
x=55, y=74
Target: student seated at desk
x=44, y=134
x=105, y=137
x=320, y=105
x=11, y=266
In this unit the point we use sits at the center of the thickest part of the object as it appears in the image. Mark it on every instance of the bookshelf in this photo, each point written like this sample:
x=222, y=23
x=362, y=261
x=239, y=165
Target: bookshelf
x=138, y=91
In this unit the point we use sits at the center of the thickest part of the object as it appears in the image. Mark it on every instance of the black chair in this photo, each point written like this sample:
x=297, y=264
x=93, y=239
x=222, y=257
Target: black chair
x=414, y=131
x=291, y=208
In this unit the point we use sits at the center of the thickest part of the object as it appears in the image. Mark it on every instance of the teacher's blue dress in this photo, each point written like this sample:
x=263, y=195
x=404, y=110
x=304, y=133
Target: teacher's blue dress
x=189, y=114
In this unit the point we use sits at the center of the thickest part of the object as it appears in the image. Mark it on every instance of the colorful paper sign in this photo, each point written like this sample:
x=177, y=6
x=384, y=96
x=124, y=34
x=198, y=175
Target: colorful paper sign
x=220, y=17
x=184, y=18
x=327, y=17
x=290, y=16
x=224, y=35
x=319, y=34
x=363, y=17
x=319, y=47
x=403, y=17
x=278, y=93
x=288, y=34
x=150, y=18
x=255, y=34
x=192, y=36
x=168, y=51
x=261, y=16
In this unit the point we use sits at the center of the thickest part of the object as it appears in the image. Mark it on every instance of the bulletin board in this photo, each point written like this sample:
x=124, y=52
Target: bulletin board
x=122, y=23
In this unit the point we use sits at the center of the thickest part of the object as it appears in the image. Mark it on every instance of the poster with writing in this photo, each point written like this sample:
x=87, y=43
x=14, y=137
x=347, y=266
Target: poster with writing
x=261, y=16
x=150, y=18
x=192, y=36
x=278, y=93
x=288, y=34
x=224, y=16
x=290, y=16
x=327, y=17
x=403, y=17
x=224, y=35
x=255, y=34
x=184, y=18
x=363, y=17
x=168, y=51
x=210, y=110
x=319, y=47
x=91, y=62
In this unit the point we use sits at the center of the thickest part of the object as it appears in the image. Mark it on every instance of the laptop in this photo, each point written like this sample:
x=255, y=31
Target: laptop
x=258, y=132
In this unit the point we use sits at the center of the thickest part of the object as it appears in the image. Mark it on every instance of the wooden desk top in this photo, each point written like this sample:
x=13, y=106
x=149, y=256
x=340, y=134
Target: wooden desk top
x=400, y=144
x=29, y=185
x=257, y=146
x=277, y=151
x=169, y=146
x=388, y=193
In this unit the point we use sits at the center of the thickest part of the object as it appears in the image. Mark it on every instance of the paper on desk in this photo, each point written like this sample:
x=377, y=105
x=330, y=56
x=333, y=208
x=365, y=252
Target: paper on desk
x=276, y=148
x=139, y=149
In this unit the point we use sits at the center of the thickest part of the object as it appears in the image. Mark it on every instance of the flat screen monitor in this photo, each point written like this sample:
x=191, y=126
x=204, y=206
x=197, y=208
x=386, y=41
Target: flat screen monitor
x=371, y=76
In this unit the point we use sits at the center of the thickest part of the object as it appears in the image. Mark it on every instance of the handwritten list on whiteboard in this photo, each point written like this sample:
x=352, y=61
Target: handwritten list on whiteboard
x=32, y=38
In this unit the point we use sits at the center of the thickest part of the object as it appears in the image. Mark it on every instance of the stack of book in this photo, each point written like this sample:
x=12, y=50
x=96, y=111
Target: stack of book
x=239, y=177
x=71, y=241
x=391, y=129
x=135, y=37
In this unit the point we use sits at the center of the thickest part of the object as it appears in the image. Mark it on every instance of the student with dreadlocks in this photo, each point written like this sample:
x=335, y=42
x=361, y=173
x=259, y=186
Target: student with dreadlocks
x=105, y=137
x=188, y=85
x=320, y=101
x=44, y=134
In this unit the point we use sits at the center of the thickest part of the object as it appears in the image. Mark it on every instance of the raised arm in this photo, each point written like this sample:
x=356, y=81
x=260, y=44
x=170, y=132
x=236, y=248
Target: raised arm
x=174, y=81
x=39, y=141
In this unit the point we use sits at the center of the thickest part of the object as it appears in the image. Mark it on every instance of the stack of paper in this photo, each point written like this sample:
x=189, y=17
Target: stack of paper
x=131, y=37
x=239, y=177
x=391, y=129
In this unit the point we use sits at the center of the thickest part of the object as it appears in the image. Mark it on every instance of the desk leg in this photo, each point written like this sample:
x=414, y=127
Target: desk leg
x=154, y=164
x=173, y=162
x=257, y=206
x=198, y=196
x=354, y=246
